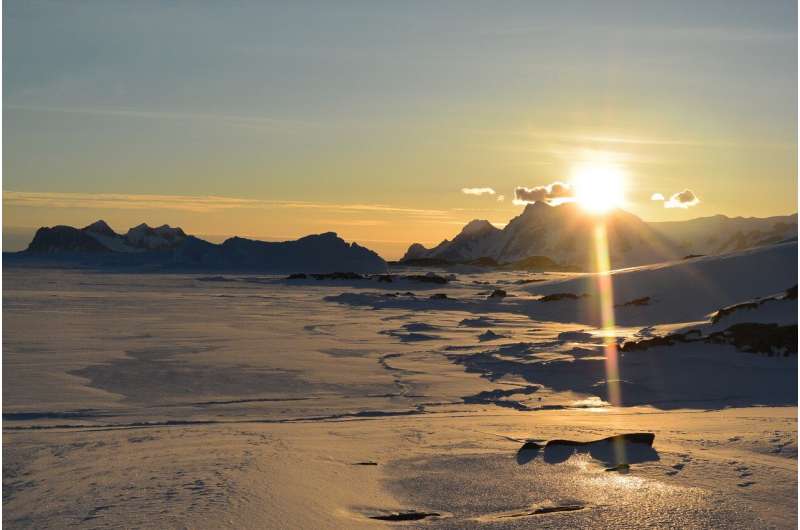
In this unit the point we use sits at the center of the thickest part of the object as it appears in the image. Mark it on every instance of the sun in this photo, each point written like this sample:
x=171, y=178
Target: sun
x=598, y=187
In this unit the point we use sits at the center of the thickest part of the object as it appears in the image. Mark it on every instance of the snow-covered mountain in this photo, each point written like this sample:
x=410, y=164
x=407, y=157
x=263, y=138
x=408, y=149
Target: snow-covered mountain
x=474, y=241
x=158, y=238
x=168, y=247
x=99, y=237
x=719, y=233
x=565, y=234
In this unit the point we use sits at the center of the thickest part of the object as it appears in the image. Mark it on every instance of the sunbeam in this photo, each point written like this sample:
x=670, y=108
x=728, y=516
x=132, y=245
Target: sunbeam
x=605, y=291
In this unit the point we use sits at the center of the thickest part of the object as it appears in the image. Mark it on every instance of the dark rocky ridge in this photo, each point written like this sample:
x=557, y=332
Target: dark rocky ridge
x=168, y=248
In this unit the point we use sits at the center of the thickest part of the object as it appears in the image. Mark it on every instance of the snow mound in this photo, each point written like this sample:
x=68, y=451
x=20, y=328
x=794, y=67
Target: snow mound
x=690, y=290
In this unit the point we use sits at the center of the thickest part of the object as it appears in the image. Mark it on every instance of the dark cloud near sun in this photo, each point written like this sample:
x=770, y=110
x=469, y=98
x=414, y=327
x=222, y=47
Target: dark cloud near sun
x=682, y=199
x=555, y=192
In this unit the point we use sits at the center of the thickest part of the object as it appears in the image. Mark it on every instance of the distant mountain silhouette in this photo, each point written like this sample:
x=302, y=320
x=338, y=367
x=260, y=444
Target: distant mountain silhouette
x=565, y=234
x=165, y=248
x=719, y=233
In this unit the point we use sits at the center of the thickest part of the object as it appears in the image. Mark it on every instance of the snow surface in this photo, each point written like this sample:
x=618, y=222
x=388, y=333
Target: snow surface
x=688, y=290
x=240, y=401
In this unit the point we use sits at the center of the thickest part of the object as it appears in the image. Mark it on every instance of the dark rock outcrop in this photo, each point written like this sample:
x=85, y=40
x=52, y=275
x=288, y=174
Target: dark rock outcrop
x=168, y=248
x=60, y=239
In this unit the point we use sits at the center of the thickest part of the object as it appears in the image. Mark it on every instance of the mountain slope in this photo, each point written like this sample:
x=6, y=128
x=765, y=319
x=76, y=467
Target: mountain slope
x=719, y=233
x=99, y=237
x=165, y=247
x=64, y=239
x=315, y=253
x=565, y=234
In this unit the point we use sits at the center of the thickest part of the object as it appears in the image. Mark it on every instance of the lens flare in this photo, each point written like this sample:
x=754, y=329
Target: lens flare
x=605, y=292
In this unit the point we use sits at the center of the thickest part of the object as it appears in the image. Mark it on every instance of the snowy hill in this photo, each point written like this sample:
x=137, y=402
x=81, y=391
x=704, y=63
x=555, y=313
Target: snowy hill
x=689, y=290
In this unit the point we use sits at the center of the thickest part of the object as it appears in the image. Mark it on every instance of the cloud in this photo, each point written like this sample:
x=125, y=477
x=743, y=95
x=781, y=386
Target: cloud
x=556, y=192
x=191, y=203
x=122, y=112
x=501, y=198
x=683, y=199
x=657, y=197
x=478, y=191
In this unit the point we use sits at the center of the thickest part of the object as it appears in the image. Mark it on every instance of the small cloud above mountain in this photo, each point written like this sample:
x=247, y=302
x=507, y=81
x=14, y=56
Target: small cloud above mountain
x=683, y=199
x=478, y=191
x=551, y=193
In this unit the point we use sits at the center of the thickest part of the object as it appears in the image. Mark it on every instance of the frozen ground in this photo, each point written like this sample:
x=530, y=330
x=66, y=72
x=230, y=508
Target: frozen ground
x=177, y=401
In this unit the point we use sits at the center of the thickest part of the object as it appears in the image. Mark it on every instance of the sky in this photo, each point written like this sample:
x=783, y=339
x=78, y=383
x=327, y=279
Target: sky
x=276, y=120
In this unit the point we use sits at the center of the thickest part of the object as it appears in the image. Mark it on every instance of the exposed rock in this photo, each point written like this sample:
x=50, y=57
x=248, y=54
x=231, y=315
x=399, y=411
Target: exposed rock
x=338, y=276
x=165, y=247
x=770, y=339
x=64, y=239
x=638, y=448
x=578, y=336
x=667, y=340
x=725, y=311
x=561, y=296
x=789, y=294
x=427, y=278
x=410, y=515
x=489, y=335
x=645, y=300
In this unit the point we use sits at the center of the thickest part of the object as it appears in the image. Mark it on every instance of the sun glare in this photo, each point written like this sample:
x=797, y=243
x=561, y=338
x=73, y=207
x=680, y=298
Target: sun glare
x=598, y=187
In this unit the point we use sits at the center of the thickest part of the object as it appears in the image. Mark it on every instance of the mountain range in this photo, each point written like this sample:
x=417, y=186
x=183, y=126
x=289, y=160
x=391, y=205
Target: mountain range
x=542, y=237
x=565, y=234
x=168, y=248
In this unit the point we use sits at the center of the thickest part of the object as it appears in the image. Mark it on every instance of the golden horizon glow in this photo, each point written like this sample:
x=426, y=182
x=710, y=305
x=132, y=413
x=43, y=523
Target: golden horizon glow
x=599, y=186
